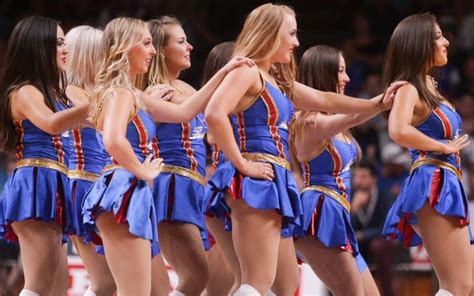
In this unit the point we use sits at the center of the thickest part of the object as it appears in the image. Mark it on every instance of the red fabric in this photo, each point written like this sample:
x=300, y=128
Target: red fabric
x=235, y=189
x=121, y=216
x=435, y=187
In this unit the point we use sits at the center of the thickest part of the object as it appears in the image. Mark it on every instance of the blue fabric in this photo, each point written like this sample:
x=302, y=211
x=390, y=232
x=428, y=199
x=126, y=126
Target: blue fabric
x=32, y=193
x=442, y=124
x=180, y=199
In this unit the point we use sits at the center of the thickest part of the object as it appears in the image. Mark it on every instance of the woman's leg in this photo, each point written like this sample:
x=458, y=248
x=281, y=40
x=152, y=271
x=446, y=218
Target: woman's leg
x=226, y=246
x=368, y=282
x=335, y=267
x=288, y=275
x=102, y=282
x=181, y=244
x=160, y=283
x=256, y=236
x=221, y=278
x=442, y=237
x=61, y=279
x=40, y=245
x=128, y=257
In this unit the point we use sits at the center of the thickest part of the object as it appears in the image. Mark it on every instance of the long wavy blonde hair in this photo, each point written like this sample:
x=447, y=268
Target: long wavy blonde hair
x=260, y=39
x=84, y=54
x=158, y=73
x=120, y=36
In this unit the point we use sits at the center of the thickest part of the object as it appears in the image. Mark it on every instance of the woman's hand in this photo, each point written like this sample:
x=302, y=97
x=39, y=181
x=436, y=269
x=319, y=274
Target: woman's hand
x=151, y=168
x=237, y=62
x=389, y=95
x=456, y=145
x=160, y=91
x=258, y=170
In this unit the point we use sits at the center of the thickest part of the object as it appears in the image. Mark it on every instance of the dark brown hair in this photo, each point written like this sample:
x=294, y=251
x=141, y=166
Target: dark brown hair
x=317, y=69
x=217, y=58
x=410, y=55
x=30, y=59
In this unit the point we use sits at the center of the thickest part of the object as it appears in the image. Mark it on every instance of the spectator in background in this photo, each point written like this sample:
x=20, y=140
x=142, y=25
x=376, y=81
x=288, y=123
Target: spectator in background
x=467, y=75
x=394, y=170
x=369, y=207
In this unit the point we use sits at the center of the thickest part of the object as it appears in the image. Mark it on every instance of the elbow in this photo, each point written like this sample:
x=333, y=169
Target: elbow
x=211, y=117
x=397, y=134
x=111, y=144
x=54, y=129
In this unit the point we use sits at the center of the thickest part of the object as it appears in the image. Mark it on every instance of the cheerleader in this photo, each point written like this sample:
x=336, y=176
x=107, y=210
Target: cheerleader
x=120, y=204
x=35, y=207
x=432, y=207
x=325, y=151
x=265, y=201
x=217, y=213
x=85, y=158
x=179, y=189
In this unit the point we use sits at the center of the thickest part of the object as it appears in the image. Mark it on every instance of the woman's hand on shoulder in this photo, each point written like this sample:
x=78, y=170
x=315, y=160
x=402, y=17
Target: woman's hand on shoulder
x=160, y=91
x=389, y=95
x=236, y=62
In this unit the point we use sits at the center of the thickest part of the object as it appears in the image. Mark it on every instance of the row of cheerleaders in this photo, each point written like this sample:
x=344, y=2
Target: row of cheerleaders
x=70, y=178
x=73, y=180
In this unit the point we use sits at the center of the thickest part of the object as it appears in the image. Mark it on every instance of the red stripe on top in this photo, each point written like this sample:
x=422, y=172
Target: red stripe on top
x=77, y=137
x=155, y=147
x=20, y=132
x=337, y=160
x=242, y=135
x=447, y=128
x=272, y=121
x=214, y=157
x=185, y=135
x=307, y=174
x=59, y=147
x=142, y=134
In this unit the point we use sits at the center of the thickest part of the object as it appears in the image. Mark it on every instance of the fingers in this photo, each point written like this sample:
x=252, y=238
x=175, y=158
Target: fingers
x=157, y=162
x=461, y=139
x=266, y=171
x=394, y=86
x=464, y=145
x=148, y=158
x=239, y=61
x=399, y=83
x=462, y=142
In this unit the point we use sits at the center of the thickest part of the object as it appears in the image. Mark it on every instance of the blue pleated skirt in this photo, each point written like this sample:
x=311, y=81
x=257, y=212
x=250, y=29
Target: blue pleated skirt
x=328, y=221
x=36, y=193
x=451, y=200
x=128, y=198
x=179, y=198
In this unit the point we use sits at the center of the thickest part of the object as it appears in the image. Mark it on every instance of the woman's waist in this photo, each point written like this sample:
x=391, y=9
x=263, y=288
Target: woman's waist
x=341, y=187
x=42, y=163
x=198, y=165
x=94, y=167
x=451, y=164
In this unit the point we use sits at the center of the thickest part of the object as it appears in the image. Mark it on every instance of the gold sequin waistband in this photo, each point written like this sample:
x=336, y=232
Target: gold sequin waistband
x=332, y=193
x=436, y=162
x=75, y=174
x=110, y=167
x=43, y=163
x=264, y=157
x=173, y=169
